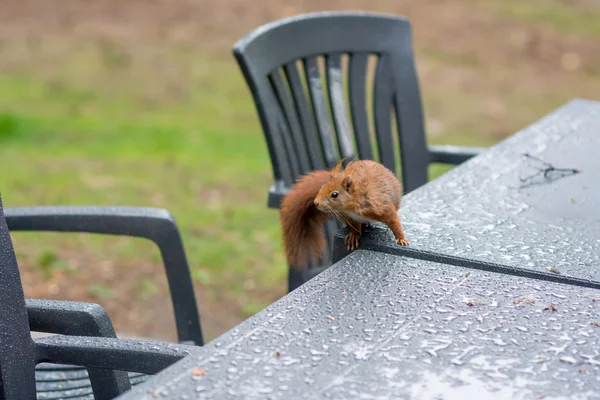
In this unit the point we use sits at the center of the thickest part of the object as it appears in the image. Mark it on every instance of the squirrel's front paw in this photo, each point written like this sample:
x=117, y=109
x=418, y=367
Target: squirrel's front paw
x=352, y=240
x=402, y=242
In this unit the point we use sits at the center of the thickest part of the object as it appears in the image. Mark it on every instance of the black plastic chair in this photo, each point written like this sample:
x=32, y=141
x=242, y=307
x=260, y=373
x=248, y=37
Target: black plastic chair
x=57, y=381
x=106, y=357
x=308, y=121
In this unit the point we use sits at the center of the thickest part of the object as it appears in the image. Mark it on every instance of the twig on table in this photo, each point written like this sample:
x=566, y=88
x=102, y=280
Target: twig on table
x=547, y=169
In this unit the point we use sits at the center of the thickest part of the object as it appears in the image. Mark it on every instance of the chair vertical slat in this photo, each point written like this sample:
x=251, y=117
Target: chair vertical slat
x=357, y=73
x=382, y=102
x=331, y=227
x=313, y=78
x=288, y=143
x=280, y=137
x=276, y=141
x=293, y=124
x=335, y=86
x=306, y=117
x=408, y=109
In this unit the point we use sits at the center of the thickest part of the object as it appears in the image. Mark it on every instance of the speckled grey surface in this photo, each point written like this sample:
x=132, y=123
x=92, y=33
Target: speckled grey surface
x=482, y=210
x=383, y=326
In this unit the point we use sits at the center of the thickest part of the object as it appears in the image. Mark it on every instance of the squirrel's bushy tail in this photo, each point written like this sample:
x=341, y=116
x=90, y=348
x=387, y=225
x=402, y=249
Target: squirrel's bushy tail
x=302, y=221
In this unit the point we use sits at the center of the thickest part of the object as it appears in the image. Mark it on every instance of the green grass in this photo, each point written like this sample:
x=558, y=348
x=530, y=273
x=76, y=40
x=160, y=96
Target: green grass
x=75, y=146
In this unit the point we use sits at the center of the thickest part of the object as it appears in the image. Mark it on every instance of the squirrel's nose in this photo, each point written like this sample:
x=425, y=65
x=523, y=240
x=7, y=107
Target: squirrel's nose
x=316, y=203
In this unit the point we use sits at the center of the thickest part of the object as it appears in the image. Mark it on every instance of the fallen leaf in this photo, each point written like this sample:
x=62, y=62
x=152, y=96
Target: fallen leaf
x=331, y=317
x=592, y=298
x=198, y=371
x=550, y=308
x=596, y=323
x=472, y=303
x=553, y=270
x=520, y=300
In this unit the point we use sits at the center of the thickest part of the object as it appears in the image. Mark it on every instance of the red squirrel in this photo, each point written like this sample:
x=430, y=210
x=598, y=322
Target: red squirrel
x=363, y=193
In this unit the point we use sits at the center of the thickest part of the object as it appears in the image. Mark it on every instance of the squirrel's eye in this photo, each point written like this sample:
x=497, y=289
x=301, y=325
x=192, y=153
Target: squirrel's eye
x=334, y=195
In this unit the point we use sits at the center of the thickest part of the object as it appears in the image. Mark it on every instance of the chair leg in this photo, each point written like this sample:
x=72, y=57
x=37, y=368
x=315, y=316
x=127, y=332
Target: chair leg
x=108, y=384
x=298, y=278
x=295, y=279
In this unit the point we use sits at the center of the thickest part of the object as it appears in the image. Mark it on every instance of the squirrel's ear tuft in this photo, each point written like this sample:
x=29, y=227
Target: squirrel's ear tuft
x=338, y=167
x=346, y=183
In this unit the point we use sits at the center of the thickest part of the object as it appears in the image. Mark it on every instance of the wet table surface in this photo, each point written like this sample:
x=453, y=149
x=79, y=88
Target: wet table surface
x=379, y=326
x=508, y=208
x=390, y=322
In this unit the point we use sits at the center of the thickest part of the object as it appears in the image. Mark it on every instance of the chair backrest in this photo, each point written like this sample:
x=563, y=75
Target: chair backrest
x=17, y=351
x=299, y=69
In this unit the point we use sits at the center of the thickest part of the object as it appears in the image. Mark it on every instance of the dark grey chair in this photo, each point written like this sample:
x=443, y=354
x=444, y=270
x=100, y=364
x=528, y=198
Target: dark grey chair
x=87, y=377
x=297, y=72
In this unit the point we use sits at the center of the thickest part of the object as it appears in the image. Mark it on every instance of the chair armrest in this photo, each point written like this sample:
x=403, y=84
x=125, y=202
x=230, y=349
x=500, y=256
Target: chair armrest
x=277, y=193
x=144, y=356
x=80, y=319
x=453, y=154
x=69, y=318
x=155, y=224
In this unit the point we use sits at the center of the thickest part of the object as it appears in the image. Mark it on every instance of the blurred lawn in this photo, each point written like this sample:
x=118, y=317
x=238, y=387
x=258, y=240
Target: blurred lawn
x=70, y=145
x=176, y=128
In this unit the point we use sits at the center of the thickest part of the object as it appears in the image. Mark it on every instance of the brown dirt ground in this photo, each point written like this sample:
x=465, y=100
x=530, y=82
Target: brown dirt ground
x=476, y=41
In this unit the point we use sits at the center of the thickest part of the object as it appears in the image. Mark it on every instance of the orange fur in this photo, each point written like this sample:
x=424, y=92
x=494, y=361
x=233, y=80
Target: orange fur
x=366, y=191
x=302, y=221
